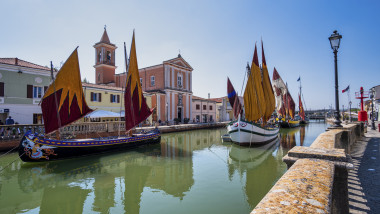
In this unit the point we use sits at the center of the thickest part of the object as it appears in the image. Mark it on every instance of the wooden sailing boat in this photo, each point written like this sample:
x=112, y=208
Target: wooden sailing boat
x=301, y=111
x=285, y=103
x=64, y=103
x=259, y=104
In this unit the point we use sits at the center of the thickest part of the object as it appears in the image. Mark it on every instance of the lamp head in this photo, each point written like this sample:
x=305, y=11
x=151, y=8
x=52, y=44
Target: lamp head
x=335, y=40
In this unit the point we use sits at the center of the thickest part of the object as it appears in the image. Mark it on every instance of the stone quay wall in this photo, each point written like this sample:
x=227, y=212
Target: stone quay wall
x=317, y=176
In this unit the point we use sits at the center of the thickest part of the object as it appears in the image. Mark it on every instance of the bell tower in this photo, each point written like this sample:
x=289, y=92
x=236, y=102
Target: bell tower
x=105, y=61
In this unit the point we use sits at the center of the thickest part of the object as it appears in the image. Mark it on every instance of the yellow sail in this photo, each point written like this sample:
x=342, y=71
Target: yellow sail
x=254, y=102
x=270, y=103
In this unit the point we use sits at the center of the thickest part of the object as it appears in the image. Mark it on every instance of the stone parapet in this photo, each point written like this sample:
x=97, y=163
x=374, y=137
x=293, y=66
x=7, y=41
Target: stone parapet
x=316, y=181
x=304, y=188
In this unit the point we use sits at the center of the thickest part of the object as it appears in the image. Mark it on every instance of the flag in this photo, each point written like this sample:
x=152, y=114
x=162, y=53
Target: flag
x=348, y=88
x=233, y=98
x=64, y=102
x=299, y=79
x=136, y=109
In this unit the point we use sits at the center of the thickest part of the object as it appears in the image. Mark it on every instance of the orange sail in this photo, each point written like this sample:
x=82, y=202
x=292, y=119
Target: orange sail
x=64, y=102
x=136, y=109
x=254, y=102
x=270, y=103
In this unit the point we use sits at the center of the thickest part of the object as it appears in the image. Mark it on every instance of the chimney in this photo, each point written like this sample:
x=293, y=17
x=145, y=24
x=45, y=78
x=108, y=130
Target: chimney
x=16, y=61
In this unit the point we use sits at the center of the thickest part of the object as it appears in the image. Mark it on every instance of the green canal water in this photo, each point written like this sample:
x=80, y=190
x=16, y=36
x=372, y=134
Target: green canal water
x=189, y=172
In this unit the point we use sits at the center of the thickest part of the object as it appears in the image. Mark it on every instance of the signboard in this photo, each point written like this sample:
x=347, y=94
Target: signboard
x=4, y=110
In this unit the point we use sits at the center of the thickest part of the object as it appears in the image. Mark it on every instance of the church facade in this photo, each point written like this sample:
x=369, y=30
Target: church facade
x=170, y=82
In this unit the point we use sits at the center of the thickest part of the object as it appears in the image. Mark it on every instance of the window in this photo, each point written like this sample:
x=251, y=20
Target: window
x=179, y=81
x=114, y=98
x=197, y=107
x=141, y=82
x=210, y=107
x=152, y=81
x=96, y=97
x=37, y=92
x=1, y=89
x=204, y=107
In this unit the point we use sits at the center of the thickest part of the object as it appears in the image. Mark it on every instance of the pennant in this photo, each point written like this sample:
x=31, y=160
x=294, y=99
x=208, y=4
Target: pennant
x=299, y=79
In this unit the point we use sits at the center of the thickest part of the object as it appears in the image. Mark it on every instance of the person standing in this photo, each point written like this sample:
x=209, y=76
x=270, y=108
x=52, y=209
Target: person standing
x=9, y=121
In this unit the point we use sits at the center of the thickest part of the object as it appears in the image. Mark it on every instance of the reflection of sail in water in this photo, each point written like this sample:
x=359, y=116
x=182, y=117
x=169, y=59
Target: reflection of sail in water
x=288, y=138
x=302, y=135
x=118, y=179
x=257, y=163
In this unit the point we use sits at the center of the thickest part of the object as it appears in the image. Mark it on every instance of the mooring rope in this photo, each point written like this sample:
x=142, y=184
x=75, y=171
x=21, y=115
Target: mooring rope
x=8, y=151
x=11, y=162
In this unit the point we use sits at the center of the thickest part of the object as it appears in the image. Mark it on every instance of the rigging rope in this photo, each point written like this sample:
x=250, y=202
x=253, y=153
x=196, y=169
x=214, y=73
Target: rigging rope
x=11, y=162
x=8, y=151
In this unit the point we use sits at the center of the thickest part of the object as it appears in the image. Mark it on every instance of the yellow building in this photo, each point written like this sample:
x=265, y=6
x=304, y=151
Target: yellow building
x=108, y=98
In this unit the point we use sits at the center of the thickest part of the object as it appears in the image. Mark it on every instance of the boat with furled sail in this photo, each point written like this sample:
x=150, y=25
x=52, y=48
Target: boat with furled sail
x=259, y=103
x=285, y=103
x=301, y=111
x=64, y=103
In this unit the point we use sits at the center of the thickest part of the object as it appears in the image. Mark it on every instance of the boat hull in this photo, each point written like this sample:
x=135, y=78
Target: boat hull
x=289, y=124
x=34, y=148
x=246, y=134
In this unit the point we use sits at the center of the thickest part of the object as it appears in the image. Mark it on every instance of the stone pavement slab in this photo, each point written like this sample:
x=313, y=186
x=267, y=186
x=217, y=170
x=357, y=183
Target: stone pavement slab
x=364, y=180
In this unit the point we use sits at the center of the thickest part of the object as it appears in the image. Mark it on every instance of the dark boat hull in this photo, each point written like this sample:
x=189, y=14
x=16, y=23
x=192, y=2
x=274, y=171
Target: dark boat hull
x=35, y=148
x=290, y=124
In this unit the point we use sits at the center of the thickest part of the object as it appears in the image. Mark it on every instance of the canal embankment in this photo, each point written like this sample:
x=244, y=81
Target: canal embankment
x=11, y=135
x=336, y=174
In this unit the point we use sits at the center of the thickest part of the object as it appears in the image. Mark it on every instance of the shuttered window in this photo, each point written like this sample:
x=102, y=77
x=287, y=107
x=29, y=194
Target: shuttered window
x=29, y=91
x=1, y=89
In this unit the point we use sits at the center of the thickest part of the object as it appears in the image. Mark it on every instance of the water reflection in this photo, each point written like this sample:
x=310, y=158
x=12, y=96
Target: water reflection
x=189, y=172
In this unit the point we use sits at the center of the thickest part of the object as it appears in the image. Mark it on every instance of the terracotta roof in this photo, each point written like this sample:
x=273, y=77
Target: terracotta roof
x=200, y=98
x=105, y=87
x=105, y=38
x=23, y=63
x=102, y=86
x=218, y=100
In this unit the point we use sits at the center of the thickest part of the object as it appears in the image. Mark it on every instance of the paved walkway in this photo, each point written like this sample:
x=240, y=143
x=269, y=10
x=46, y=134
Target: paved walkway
x=364, y=180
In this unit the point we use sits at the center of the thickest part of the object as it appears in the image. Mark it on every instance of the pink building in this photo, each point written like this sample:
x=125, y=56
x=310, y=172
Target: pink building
x=169, y=82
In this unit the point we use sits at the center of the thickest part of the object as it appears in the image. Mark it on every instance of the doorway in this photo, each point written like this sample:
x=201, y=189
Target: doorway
x=179, y=114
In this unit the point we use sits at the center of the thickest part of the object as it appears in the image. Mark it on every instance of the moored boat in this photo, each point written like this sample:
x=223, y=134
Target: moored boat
x=64, y=103
x=285, y=103
x=259, y=104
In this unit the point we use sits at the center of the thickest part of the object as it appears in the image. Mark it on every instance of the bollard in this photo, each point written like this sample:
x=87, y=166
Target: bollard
x=379, y=127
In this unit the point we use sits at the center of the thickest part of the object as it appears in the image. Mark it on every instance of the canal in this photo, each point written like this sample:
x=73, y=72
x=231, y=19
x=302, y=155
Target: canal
x=189, y=172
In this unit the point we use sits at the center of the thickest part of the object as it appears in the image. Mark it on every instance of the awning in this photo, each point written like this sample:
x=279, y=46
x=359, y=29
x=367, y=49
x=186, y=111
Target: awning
x=103, y=113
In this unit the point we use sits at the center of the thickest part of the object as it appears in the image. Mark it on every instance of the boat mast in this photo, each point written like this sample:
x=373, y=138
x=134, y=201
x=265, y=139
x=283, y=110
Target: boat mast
x=122, y=90
x=55, y=98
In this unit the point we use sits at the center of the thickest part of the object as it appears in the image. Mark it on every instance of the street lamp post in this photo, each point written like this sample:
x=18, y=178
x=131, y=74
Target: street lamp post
x=372, y=95
x=335, y=42
x=350, y=111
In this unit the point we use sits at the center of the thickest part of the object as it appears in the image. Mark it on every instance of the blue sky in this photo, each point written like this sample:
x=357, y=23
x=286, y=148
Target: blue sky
x=216, y=37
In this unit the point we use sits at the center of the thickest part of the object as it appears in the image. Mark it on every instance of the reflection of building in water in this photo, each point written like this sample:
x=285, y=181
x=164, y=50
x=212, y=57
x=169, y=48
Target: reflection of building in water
x=167, y=167
x=261, y=167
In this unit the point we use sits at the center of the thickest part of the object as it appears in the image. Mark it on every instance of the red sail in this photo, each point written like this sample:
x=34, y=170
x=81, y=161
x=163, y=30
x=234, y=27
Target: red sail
x=64, y=95
x=233, y=98
x=301, y=110
x=136, y=109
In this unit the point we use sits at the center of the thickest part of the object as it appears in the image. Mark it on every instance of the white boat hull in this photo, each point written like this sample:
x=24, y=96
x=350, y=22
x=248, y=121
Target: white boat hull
x=246, y=134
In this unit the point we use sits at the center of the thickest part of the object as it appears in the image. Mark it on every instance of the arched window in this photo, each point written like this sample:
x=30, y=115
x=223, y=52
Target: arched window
x=108, y=56
x=100, y=56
